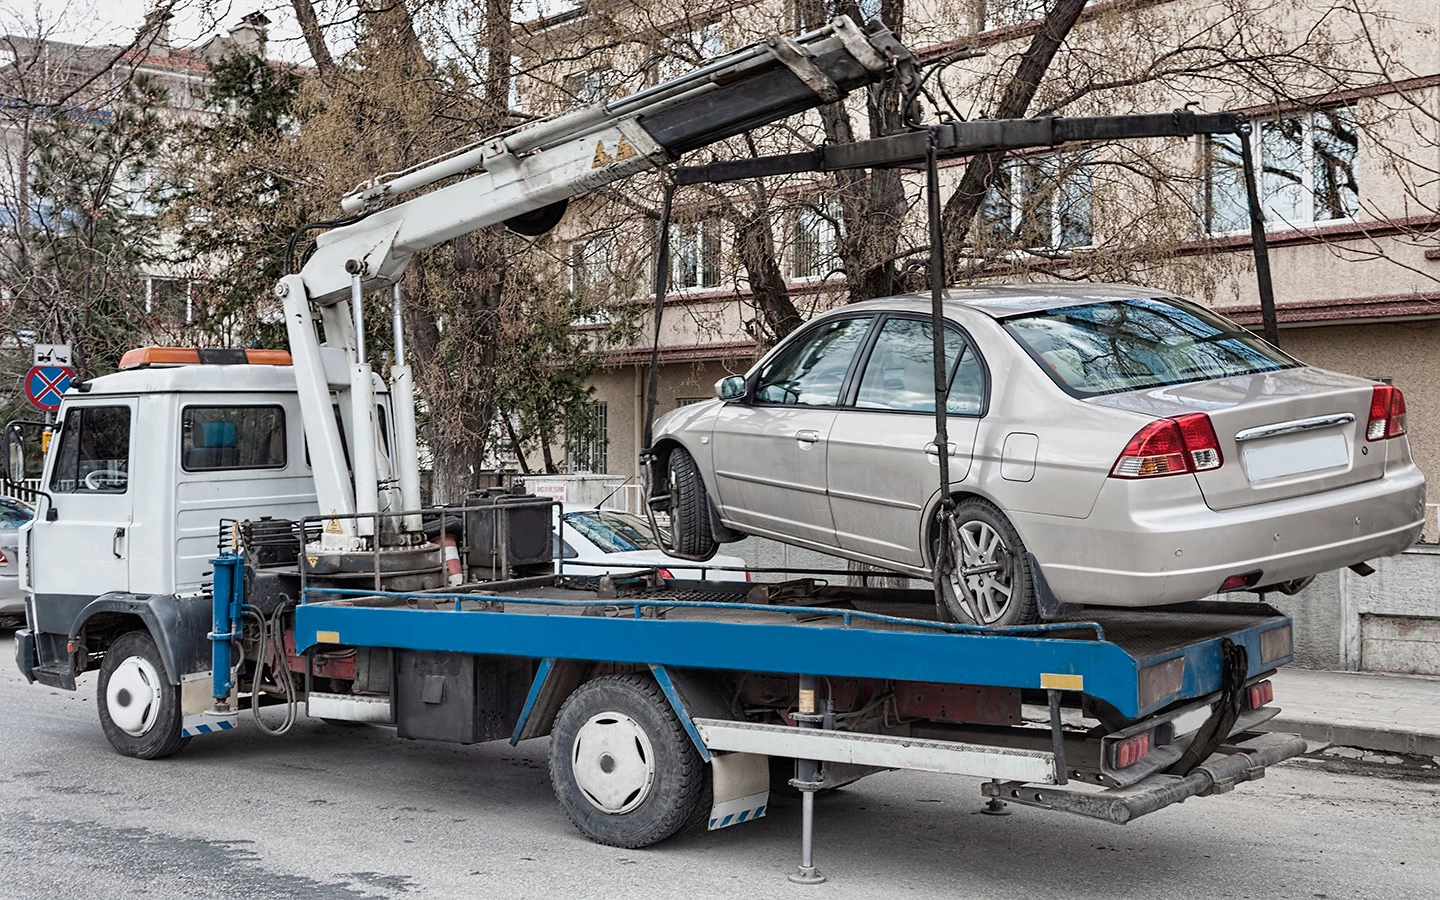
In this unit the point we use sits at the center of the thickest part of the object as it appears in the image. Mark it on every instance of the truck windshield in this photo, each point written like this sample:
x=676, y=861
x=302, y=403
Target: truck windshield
x=613, y=532
x=1133, y=344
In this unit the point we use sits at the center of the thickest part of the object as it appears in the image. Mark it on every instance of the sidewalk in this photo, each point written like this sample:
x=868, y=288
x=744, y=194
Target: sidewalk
x=1392, y=713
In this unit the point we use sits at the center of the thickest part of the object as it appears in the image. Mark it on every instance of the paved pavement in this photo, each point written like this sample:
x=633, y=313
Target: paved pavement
x=329, y=813
x=1393, y=713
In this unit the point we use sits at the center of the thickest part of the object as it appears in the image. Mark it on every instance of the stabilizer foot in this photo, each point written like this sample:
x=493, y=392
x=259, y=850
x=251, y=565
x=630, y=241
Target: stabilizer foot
x=807, y=875
x=996, y=807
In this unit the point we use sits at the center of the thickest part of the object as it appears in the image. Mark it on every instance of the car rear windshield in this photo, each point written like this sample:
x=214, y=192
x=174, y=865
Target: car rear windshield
x=1133, y=344
x=613, y=532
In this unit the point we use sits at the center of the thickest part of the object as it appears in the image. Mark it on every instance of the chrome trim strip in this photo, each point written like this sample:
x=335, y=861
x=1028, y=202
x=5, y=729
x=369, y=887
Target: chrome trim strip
x=1264, y=431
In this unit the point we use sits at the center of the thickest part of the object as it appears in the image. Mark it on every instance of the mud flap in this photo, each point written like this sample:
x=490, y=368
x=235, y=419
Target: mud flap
x=742, y=788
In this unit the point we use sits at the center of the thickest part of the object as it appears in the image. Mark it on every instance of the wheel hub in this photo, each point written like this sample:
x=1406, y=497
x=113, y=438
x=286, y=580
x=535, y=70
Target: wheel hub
x=984, y=572
x=613, y=763
x=132, y=696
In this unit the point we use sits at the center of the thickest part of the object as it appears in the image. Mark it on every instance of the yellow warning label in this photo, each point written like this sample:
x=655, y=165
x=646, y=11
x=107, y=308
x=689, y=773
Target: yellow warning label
x=1053, y=682
x=327, y=637
x=601, y=157
x=807, y=701
x=624, y=150
x=332, y=526
x=312, y=560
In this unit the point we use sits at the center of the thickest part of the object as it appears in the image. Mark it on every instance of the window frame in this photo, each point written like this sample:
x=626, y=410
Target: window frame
x=284, y=438
x=697, y=229
x=752, y=381
x=826, y=232
x=1256, y=137
x=128, y=405
x=850, y=394
x=1016, y=166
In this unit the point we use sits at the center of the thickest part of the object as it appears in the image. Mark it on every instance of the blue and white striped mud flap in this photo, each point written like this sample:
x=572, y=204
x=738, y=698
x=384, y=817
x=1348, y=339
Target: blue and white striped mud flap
x=741, y=809
x=207, y=723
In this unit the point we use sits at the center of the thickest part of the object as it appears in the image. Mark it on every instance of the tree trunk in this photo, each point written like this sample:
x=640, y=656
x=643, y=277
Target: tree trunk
x=755, y=241
x=314, y=37
x=980, y=172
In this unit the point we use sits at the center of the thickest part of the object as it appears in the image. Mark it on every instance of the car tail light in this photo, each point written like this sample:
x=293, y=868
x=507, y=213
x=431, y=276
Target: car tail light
x=1387, y=413
x=1170, y=447
x=747, y=575
x=1257, y=695
x=665, y=574
x=4, y=560
x=1129, y=751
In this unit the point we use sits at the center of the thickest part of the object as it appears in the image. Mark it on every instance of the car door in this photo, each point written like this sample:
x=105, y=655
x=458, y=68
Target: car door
x=80, y=541
x=770, y=449
x=883, y=466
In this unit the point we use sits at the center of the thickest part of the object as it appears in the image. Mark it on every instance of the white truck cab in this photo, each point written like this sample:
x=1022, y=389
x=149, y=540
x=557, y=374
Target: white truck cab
x=144, y=465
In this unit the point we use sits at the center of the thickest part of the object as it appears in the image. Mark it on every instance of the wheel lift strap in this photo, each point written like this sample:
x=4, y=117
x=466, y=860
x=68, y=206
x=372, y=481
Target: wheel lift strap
x=1235, y=667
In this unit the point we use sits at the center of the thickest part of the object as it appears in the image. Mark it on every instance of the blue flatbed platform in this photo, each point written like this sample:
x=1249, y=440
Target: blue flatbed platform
x=1138, y=661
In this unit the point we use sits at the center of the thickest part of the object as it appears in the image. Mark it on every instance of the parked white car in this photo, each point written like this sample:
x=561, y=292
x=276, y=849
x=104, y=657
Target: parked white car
x=13, y=514
x=600, y=541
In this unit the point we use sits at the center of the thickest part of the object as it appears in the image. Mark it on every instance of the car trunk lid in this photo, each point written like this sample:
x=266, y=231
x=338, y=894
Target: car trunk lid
x=1283, y=433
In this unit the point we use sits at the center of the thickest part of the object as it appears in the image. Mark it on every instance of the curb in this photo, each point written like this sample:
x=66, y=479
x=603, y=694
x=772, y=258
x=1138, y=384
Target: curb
x=1365, y=737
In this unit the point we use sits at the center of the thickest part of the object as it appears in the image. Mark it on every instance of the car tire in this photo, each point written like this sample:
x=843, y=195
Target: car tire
x=623, y=768
x=139, y=707
x=690, y=532
x=1003, y=597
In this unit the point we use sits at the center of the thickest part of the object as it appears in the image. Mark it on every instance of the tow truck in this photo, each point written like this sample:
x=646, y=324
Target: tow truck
x=204, y=554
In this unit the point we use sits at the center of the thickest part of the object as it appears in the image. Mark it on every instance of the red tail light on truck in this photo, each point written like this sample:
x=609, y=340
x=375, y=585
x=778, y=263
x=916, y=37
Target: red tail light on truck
x=1176, y=446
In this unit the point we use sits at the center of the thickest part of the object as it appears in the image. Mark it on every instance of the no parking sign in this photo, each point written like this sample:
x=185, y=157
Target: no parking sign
x=45, y=385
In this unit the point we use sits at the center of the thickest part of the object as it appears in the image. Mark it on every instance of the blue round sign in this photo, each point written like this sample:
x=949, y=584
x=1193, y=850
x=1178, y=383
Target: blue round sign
x=45, y=385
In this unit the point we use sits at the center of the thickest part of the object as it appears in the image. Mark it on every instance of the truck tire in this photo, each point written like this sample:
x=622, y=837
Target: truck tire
x=690, y=531
x=623, y=767
x=1006, y=596
x=139, y=707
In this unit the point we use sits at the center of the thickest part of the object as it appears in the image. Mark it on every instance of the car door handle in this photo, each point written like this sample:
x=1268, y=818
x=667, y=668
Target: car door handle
x=931, y=449
x=115, y=542
x=807, y=436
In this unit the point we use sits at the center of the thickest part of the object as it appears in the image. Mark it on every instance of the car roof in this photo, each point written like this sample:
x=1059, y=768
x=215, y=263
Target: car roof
x=1001, y=300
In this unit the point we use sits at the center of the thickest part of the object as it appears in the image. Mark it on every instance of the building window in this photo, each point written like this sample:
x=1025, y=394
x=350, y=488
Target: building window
x=813, y=247
x=1000, y=13
x=588, y=436
x=1040, y=202
x=589, y=270
x=695, y=255
x=169, y=300
x=1307, y=167
x=805, y=20
x=593, y=86
x=682, y=53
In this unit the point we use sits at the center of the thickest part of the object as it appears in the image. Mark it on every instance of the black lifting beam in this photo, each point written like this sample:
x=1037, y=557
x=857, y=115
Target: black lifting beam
x=949, y=140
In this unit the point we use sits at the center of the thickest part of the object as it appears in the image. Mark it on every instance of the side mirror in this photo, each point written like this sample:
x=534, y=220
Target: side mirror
x=18, y=460
x=731, y=387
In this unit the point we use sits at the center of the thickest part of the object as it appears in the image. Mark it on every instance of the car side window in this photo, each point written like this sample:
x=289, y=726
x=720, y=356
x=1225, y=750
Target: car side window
x=900, y=374
x=811, y=372
x=94, y=454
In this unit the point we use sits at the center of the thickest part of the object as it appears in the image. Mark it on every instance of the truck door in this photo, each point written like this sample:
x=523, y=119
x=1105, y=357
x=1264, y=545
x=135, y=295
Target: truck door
x=82, y=549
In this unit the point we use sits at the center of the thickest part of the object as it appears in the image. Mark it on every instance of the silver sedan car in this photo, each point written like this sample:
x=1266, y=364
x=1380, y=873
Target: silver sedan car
x=1142, y=449
x=13, y=514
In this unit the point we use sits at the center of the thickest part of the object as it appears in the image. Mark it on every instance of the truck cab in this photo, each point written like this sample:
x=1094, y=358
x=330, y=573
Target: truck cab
x=141, y=468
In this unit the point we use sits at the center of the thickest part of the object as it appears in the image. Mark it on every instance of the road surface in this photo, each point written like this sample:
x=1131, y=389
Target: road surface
x=328, y=812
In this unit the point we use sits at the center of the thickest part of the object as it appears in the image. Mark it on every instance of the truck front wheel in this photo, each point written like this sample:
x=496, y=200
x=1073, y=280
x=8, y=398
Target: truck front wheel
x=623, y=767
x=139, y=707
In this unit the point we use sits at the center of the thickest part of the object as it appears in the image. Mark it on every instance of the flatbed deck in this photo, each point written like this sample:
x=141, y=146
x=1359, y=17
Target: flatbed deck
x=1137, y=661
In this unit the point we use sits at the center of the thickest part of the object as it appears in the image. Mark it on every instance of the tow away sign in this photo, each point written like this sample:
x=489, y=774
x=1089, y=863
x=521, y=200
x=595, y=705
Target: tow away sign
x=45, y=385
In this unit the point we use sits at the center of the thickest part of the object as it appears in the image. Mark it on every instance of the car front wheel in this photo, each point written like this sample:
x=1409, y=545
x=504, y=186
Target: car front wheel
x=690, y=532
x=139, y=707
x=990, y=582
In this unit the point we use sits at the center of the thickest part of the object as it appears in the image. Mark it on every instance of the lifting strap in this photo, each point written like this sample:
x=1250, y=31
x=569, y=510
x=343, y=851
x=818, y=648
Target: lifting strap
x=1234, y=668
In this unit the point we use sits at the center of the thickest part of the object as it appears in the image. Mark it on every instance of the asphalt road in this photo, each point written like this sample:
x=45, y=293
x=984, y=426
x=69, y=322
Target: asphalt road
x=328, y=812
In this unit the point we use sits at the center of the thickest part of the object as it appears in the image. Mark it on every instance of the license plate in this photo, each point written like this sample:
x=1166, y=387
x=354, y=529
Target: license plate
x=1296, y=456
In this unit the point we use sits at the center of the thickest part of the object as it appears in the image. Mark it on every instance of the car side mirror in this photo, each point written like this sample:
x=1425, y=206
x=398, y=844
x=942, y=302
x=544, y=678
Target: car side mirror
x=731, y=387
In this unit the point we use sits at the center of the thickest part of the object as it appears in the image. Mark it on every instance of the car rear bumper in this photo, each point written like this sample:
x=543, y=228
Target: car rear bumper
x=1149, y=544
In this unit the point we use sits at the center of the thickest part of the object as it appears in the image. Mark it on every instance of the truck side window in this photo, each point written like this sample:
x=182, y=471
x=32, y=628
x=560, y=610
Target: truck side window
x=232, y=437
x=94, y=455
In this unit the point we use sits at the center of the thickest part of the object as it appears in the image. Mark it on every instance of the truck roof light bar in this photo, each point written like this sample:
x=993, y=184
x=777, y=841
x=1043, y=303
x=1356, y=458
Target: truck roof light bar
x=144, y=357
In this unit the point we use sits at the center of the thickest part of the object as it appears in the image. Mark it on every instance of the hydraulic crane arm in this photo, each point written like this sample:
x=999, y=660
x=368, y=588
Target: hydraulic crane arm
x=523, y=179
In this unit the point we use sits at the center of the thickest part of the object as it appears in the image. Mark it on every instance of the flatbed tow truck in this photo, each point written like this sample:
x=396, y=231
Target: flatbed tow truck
x=668, y=704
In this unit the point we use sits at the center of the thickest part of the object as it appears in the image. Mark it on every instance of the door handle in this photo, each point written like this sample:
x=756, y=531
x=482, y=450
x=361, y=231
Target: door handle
x=807, y=436
x=932, y=449
x=115, y=542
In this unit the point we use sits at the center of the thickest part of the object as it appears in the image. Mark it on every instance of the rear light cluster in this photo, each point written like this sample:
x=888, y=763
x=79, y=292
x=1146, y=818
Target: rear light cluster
x=1387, y=413
x=1170, y=447
x=1129, y=751
x=4, y=560
x=1257, y=695
x=666, y=574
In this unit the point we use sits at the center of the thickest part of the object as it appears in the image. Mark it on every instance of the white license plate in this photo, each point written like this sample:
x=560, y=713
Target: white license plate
x=1296, y=456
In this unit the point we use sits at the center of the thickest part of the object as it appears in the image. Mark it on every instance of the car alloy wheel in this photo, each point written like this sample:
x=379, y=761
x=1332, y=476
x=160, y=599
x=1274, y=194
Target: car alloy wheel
x=984, y=571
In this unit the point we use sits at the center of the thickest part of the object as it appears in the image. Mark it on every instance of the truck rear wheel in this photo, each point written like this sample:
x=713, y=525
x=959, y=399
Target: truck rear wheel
x=690, y=531
x=623, y=767
x=139, y=707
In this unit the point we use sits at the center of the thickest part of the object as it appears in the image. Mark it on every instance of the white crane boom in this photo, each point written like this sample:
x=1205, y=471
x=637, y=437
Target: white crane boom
x=523, y=179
